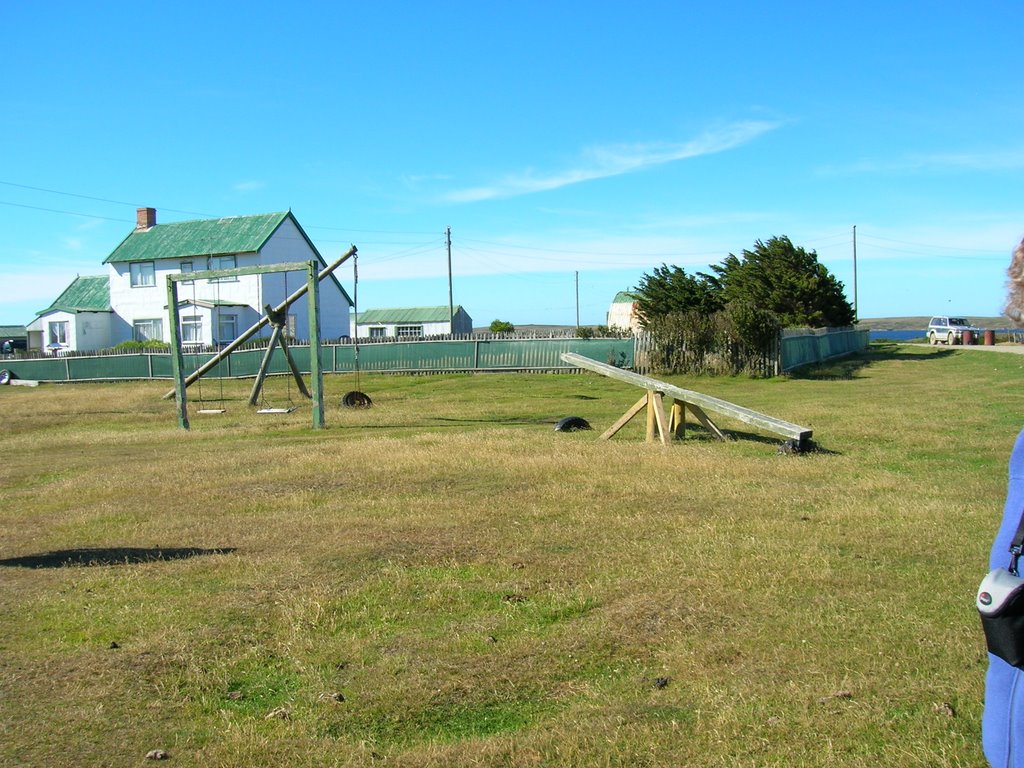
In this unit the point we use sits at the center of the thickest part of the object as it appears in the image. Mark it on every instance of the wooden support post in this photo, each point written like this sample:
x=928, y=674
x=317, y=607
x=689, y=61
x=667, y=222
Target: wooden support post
x=677, y=420
x=261, y=374
x=177, y=358
x=316, y=373
x=295, y=368
x=651, y=418
x=708, y=424
x=626, y=417
x=655, y=402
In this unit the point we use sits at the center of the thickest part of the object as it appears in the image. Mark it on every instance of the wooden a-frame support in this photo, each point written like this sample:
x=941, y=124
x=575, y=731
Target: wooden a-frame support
x=278, y=319
x=660, y=428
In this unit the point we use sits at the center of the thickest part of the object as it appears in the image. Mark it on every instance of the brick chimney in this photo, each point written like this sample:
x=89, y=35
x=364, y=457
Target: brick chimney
x=145, y=218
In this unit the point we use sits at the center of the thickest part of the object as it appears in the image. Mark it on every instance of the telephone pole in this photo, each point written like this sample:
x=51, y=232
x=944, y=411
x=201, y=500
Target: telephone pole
x=855, y=307
x=451, y=304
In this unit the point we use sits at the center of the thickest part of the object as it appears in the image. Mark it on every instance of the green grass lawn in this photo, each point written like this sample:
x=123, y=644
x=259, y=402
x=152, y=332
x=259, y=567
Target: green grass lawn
x=444, y=580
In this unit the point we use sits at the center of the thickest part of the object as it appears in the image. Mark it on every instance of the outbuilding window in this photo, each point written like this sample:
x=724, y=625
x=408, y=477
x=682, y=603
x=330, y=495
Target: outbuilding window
x=59, y=332
x=378, y=332
x=409, y=331
x=192, y=329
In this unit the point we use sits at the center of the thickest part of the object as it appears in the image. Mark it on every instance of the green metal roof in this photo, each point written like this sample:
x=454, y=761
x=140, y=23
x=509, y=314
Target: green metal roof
x=85, y=294
x=204, y=237
x=13, y=331
x=406, y=315
x=624, y=297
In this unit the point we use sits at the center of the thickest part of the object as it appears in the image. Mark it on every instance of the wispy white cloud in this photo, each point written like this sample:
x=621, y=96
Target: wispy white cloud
x=602, y=162
x=1003, y=160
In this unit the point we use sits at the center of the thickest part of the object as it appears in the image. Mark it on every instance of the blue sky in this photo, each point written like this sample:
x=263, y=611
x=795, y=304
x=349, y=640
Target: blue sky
x=571, y=147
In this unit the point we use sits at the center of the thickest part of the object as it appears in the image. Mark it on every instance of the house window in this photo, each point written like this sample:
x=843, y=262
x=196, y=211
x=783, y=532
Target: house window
x=192, y=329
x=227, y=328
x=378, y=332
x=148, y=330
x=224, y=262
x=409, y=331
x=143, y=274
x=186, y=267
x=59, y=333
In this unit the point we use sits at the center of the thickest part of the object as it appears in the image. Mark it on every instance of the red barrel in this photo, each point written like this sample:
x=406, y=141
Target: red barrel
x=990, y=338
x=967, y=337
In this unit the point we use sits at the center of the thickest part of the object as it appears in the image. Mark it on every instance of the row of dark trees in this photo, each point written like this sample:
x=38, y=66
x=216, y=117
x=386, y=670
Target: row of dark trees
x=775, y=276
x=729, y=320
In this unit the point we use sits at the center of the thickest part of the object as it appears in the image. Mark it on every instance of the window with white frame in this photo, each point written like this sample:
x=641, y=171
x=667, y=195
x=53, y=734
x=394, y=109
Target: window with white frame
x=409, y=331
x=191, y=329
x=148, y=330
x=227, y=328
x=224, y=262
x=143, y=274
x=58, y=332
x=186, y=267
x=378, y=332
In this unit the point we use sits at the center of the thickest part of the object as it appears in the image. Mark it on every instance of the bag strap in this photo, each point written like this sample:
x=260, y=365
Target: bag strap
x=1017, y=546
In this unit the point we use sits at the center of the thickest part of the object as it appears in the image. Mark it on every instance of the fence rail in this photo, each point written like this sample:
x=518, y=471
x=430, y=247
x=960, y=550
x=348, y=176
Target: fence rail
x=439, y=355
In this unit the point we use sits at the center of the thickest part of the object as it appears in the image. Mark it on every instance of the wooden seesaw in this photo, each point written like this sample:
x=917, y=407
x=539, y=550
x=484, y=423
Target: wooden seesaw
x=673, y=427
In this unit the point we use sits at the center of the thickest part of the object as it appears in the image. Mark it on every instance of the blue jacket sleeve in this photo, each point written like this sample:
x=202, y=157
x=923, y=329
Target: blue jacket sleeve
x=1002, y=725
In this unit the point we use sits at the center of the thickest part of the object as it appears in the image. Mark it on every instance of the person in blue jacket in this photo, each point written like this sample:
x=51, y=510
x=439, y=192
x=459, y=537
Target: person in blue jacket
x=1002, y=725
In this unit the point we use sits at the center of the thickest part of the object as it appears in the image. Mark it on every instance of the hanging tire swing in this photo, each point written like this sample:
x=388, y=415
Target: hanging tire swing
x=356, y=399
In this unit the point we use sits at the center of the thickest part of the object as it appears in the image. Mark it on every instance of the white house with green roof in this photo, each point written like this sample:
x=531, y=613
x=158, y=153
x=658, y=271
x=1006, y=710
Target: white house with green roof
x=80, y=318
x=412, y=322
x=212, y=311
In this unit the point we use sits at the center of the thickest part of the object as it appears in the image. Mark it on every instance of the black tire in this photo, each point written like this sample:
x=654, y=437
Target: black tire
x=356, y=399
x=932, y=340
x=949, y=339
x=5, y=376
x=572, y=424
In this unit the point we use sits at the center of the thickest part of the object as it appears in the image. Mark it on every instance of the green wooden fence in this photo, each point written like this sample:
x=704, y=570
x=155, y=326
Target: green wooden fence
x=416, y=356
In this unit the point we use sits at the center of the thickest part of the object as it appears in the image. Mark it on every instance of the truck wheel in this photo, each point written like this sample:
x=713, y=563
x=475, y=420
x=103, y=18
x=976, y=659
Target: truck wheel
x=932, y=340
x=949, y=339
x=5, y=377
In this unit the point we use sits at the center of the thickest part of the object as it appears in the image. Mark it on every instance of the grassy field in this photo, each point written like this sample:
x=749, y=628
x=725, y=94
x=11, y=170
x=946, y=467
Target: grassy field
x=444, y=580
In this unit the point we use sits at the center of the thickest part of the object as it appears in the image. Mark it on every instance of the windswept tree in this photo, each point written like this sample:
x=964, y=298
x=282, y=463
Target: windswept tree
x=789, y=281
x=502, y=326
x=669, y=290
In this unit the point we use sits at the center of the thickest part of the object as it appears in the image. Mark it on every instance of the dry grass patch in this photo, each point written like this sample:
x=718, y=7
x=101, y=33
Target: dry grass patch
x=443, y=580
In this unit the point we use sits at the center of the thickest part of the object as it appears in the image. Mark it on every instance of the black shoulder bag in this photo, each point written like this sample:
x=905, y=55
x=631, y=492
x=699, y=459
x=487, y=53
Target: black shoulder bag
x=1001, y=605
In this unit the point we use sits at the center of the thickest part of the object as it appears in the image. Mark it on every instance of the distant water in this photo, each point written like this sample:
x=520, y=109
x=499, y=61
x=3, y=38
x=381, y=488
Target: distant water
x=874, y=335
x=897, y=335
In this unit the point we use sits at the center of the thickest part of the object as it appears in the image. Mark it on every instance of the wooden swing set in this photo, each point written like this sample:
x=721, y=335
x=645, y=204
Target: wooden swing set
x=274, y=316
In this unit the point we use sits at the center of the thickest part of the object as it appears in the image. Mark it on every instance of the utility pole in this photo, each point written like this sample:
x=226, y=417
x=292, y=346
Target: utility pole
x=855, y=307
x=451, y=304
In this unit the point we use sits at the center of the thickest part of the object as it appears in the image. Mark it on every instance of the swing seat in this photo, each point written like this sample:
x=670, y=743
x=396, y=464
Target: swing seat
x=276, y=410
x=211, y=410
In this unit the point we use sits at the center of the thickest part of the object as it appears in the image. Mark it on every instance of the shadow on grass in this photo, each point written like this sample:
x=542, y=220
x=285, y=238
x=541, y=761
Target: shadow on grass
x=63, y=558
x=850, y=367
